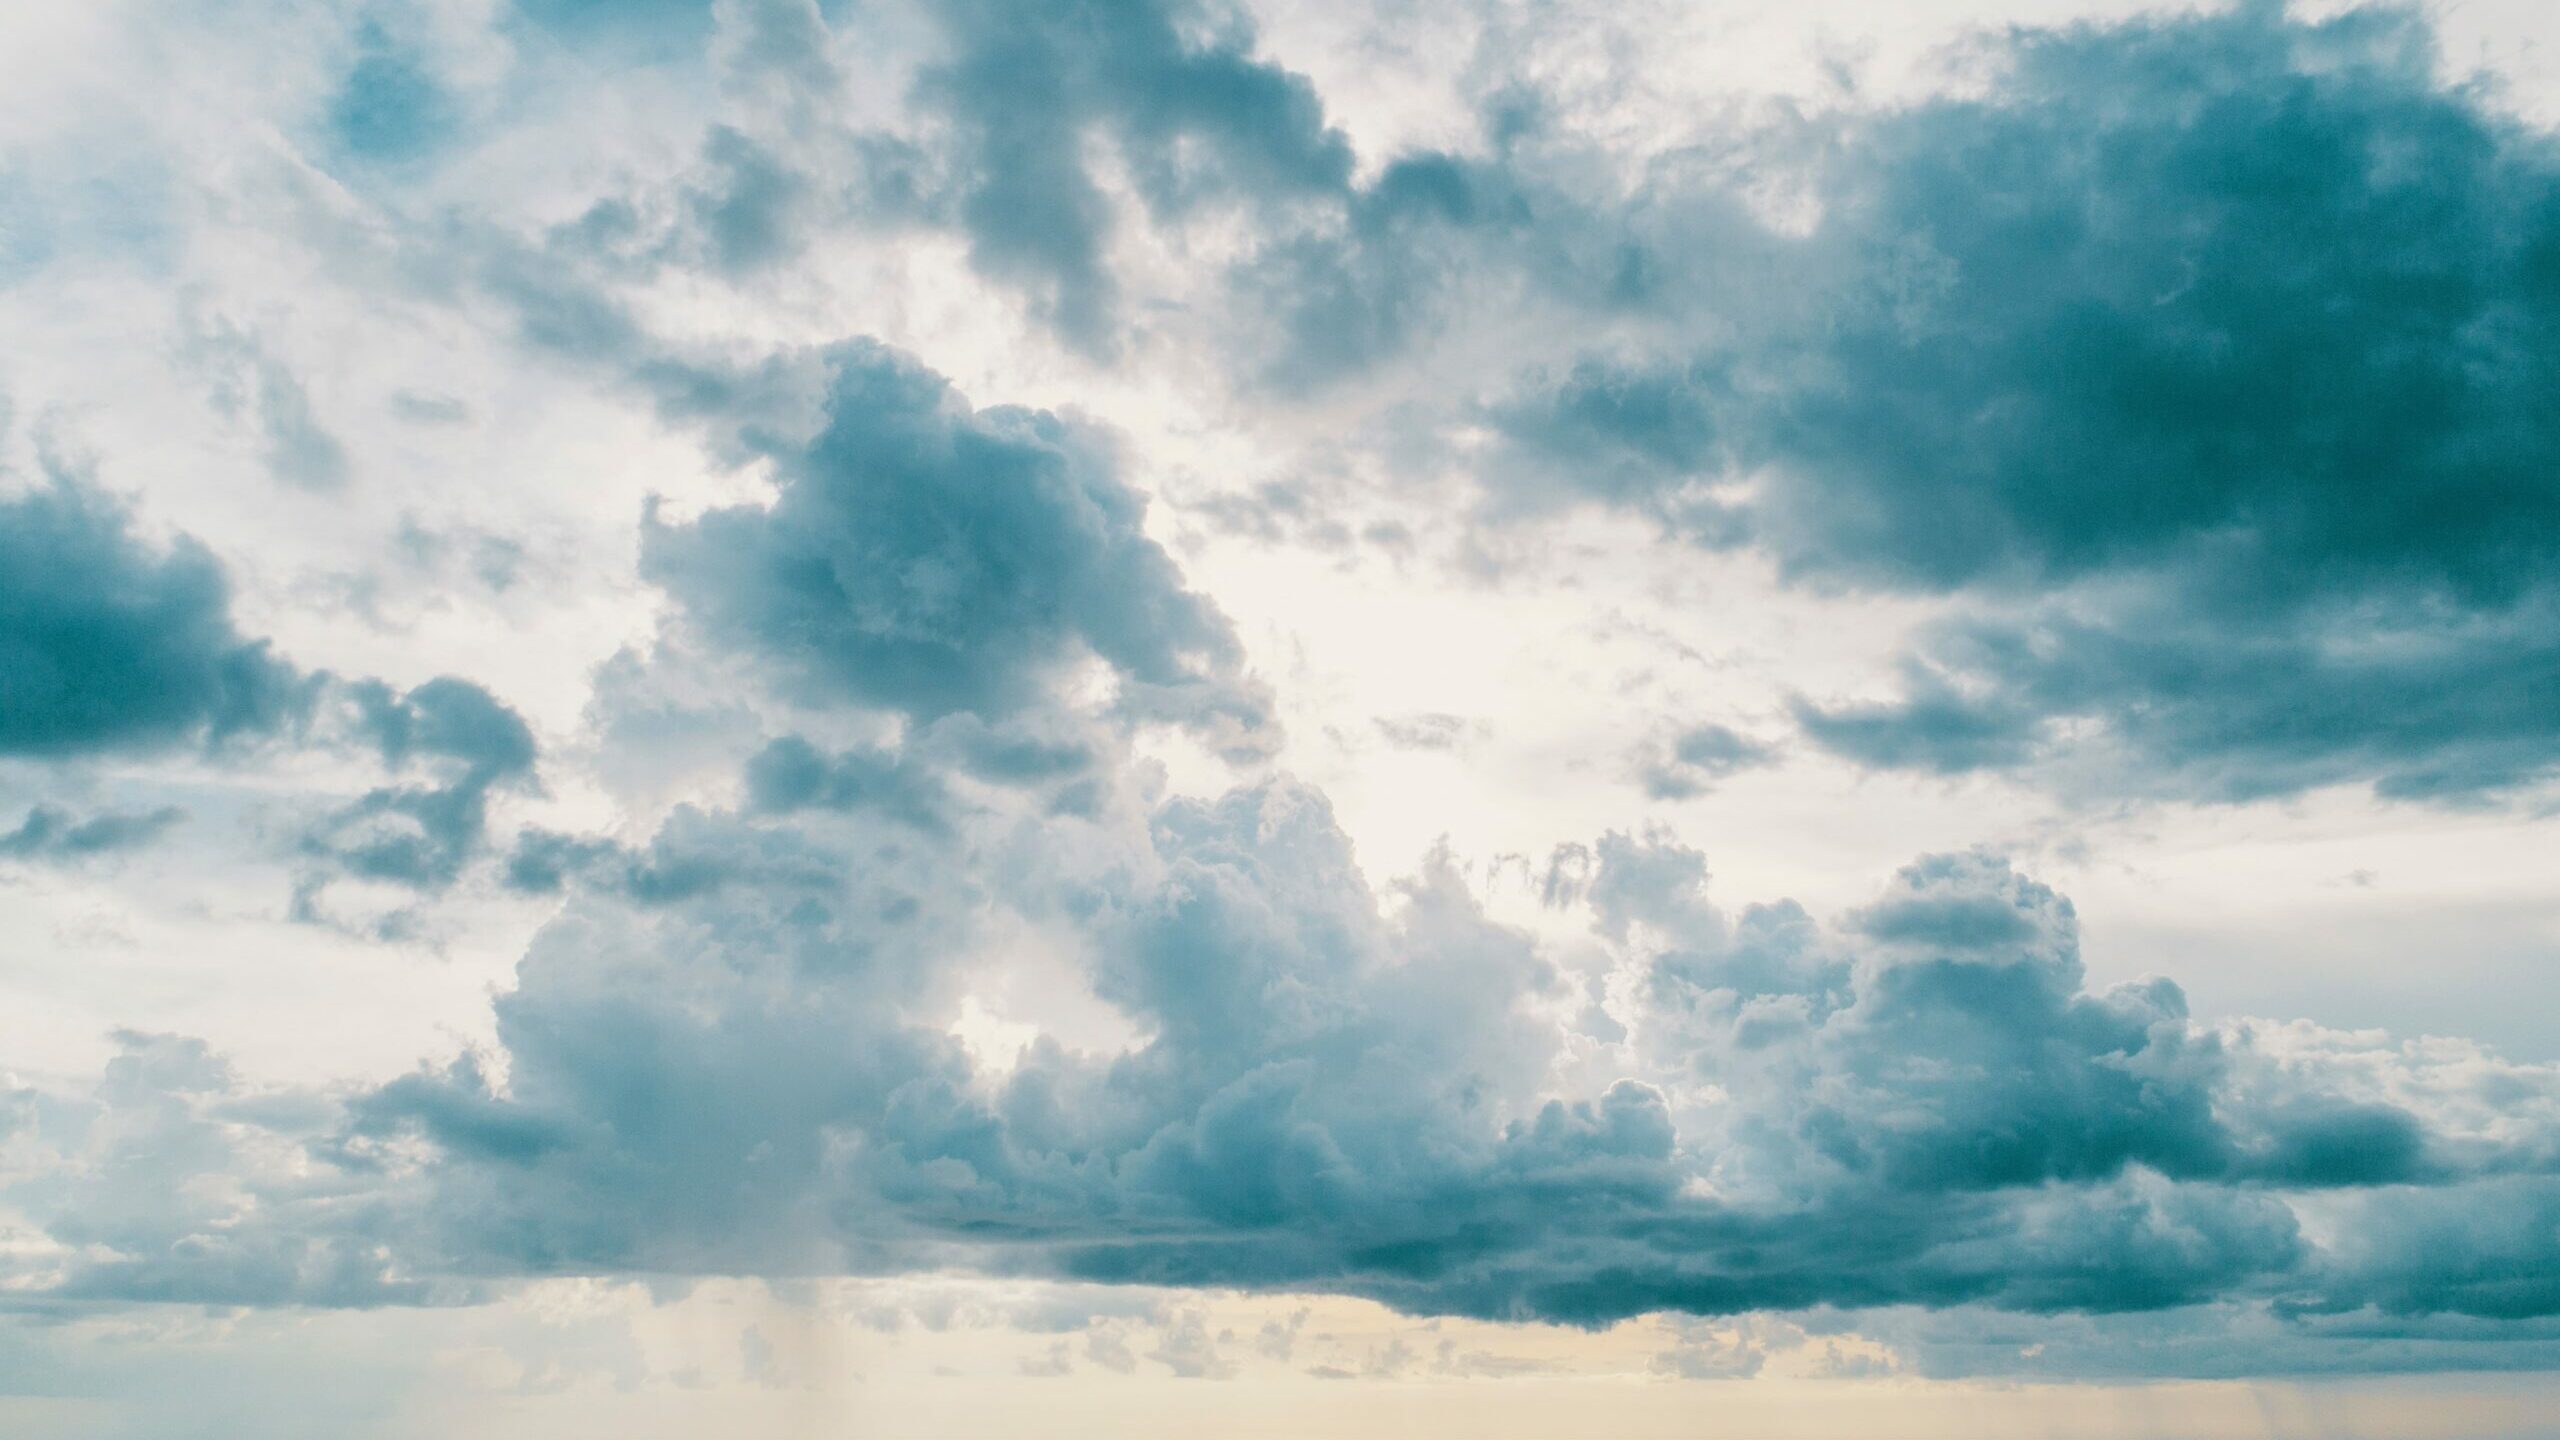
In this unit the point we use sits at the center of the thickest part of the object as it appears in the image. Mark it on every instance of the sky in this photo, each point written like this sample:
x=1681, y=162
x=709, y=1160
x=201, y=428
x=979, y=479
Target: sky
x=827, y=718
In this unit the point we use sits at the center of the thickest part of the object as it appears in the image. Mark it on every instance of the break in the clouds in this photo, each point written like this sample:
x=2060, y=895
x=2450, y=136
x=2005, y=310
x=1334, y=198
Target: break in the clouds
x=922, y=843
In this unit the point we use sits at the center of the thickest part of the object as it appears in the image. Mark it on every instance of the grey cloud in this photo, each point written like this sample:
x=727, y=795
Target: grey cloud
x=2198, y=356
x=720, y=1060
x=1186, y=1348
x=428, y=407
x=2426, y=702
x=53, y=835
x=108, y=644
x=1931, y=726
x=791, y=774
x=1707, y=1354
x=300, y=450
x=727, y=1052
x=423, y=835
x=1194, y=120
x=247, y=376
x=118, y=1189
x=110, y=647
x=1924, y=1104
x=924, y=556
x=1697, y=758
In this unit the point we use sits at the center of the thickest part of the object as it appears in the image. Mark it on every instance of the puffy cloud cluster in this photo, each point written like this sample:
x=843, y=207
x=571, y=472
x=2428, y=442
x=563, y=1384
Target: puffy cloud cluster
x=927, y=558
x=173, y=1181
x=1917, y=1106
x=1188, y=109
x=2197, y=364
x=2201, y=360
x=110, y=645
x=736, y=1049
x=2194, y=358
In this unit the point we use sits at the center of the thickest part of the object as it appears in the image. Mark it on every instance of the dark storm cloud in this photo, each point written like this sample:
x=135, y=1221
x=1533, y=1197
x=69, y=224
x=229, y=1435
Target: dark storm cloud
x=2228, y=289
x=108, y=643
x=749, y=209
x=1931, y=726
x=2204, y=359
x=2416, y=697
x=722, y=1054
x=730, y=1050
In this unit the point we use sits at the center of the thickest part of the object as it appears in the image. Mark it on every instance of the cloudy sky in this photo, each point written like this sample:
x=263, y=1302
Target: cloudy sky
x=826, y=718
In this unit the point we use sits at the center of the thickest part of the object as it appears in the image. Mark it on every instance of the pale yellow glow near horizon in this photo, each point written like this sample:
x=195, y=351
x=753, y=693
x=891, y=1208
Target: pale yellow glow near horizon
x=944, y=1358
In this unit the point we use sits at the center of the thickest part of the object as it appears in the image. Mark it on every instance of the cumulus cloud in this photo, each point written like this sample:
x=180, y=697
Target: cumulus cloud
x=734, y=1048
x=1189, y=110
x=2192, y=366
x=172, y=1180
x=1920, y=1104
x=2200, y=357
x=109, y=644
x=927, y=557
x=422, y=835
x=112, y=648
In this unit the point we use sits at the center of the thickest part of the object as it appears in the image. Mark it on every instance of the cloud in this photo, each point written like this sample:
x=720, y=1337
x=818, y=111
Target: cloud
x=1431, y=730
x=391, y=106
x=52, y=835
x=2420, y=699
x=1932, y=725
x=108, y=644
x=2066, y=369
x=1704, y=1353
x=2200, y=359
x=732, y=1051
x=748, y=209
x=1920, y=1104
x=1186, y=1348
x=422, y=835
x=923, y=556
x=173, y=1181
x=1189, y=111
x=112, y=648
x=246, y=376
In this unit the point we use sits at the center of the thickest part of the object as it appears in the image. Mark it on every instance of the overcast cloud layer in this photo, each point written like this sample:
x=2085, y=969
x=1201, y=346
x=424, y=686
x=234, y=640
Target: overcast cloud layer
x=682, y=643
